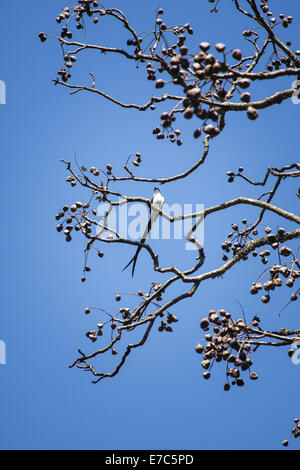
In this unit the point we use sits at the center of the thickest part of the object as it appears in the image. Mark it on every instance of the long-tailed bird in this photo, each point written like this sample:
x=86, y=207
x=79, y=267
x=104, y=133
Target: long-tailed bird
x=157, y=203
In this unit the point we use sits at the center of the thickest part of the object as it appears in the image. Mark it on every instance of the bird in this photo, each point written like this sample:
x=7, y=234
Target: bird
x=157, y=203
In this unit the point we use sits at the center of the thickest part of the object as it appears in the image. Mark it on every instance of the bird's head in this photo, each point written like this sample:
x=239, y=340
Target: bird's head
x=156, y=189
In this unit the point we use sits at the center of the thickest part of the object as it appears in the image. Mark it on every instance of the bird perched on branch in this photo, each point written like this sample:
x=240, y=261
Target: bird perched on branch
x=157, y=203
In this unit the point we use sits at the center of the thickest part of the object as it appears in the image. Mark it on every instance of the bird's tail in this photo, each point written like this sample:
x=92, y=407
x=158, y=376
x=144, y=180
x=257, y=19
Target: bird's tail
x=153, y=217
x=133, y=260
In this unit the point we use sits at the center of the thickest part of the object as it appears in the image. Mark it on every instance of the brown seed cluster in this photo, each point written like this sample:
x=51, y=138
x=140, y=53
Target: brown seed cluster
x=284, y=273
x=166, y=325
x=84, y=7
x=74, y=218
x=128, y=316
x=226, y=341
x=295, y=432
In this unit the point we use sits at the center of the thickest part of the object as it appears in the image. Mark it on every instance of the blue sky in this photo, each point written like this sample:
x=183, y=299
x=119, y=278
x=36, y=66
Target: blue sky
x=159, y=400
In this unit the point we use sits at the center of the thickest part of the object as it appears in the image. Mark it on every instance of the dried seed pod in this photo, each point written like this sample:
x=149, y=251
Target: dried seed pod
x=42, y=37
x=204, y=324
x=159, y=83
x=220, y=47
x=285, y=251
x=188, y=113
x=204, y=46
x=252, y=113
x=240, y=382
x=199, y=348
x=245, y=97
x=244, y=83
x=253, y=290
x=236, y=54
x=277, y=282
x=265, y=299
x=183, y=50
x=205, y=364
x=209, y=129
x=197, y=133
x=193, y=93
